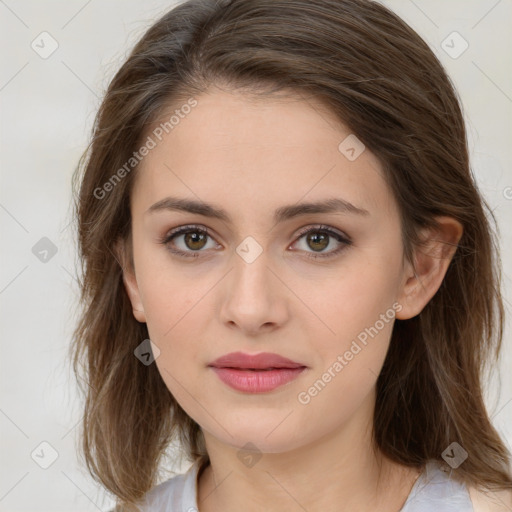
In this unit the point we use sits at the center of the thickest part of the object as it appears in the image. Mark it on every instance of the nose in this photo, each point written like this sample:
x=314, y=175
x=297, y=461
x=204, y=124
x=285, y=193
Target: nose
x=254, y=298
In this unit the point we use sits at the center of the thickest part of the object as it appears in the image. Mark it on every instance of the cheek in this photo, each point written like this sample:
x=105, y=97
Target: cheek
x=174, y=323
x=350, y=343
x=174, y=312
x=171, y=293
x=349, y=300
x=347, y=376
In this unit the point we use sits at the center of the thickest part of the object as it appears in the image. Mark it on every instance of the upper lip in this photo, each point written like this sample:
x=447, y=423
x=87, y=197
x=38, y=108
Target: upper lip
x=260, y=361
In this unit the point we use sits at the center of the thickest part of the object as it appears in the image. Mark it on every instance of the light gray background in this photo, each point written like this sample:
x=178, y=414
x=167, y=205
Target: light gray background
x=47, y=109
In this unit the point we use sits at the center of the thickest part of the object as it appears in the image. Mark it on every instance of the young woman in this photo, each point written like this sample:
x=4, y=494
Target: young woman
x=288, y=268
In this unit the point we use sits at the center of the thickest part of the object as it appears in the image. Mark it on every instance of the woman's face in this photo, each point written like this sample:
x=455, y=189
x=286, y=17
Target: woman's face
x=252, y=284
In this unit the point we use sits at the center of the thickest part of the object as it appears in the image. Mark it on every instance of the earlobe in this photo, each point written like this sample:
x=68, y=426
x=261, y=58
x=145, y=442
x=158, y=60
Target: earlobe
x=130, y=281
x=431, y=261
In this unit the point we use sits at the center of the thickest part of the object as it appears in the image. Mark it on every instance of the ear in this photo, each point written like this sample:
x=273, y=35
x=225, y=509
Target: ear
x=130, y=280
x=431, y=261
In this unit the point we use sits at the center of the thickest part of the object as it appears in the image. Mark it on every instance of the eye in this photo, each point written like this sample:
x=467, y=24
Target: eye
x=193, y=240
x=318, y=239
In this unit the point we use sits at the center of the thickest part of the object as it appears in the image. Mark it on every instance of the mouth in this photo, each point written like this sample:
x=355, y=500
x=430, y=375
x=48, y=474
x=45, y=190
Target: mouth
x=256, y=373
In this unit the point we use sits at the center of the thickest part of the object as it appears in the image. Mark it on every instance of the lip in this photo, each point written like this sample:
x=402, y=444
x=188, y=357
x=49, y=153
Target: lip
x=257, y=373
x=261, y=361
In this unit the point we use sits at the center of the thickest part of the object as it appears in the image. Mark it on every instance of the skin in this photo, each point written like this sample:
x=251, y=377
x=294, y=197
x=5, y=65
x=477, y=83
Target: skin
x=251, y=156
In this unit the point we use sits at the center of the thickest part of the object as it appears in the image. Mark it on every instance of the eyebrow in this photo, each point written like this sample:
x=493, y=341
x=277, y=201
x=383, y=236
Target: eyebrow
x=333, y=205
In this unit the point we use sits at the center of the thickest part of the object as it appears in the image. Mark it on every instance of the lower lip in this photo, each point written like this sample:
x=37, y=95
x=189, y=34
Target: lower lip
x=254, y=381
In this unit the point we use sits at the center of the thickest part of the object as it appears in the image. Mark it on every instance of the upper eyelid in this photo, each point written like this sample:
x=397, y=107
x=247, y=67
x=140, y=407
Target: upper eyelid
x=322, y=227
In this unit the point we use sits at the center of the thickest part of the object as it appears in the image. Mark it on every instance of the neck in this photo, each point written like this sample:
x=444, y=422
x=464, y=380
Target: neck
x=341, y=471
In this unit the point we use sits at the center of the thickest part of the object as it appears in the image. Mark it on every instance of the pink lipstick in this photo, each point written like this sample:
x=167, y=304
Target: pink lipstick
x=258, y=373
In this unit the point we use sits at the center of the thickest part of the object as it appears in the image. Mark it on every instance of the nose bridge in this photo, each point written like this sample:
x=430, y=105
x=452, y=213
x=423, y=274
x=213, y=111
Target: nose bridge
x=251, y=276
x=252, y=297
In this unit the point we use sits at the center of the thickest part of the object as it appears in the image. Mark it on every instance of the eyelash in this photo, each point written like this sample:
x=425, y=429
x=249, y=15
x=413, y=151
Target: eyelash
x=345, y=241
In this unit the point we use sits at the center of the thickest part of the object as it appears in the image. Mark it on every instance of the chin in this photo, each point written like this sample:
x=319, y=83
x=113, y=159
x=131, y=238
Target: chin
x=265, y=439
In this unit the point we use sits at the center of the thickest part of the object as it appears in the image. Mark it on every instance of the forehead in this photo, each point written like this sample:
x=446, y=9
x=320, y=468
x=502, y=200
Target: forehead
x=246, y=151
x=225, y=120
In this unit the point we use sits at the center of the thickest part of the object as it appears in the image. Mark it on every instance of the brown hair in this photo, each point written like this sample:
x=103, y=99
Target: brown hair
x=383, y=81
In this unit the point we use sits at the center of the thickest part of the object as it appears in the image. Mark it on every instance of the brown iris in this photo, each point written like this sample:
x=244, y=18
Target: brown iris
x=321, y=240
x=195, y=240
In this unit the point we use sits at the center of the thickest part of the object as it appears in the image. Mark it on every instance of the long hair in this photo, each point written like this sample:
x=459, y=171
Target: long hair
x=382, y=81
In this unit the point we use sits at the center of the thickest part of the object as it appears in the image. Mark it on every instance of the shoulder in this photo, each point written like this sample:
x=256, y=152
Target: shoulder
x=176, y=493
x=490, y=501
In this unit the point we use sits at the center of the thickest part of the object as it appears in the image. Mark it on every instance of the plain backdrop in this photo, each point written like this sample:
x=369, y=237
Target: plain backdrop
x=47, y=109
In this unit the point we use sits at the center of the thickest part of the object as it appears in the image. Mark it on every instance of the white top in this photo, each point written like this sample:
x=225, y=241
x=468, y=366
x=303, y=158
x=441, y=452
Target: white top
x=434, y=490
